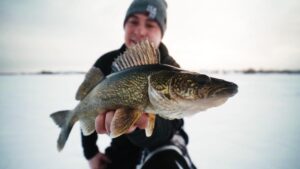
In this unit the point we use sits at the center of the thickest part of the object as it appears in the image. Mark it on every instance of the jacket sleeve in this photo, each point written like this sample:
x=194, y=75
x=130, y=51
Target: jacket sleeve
x=90, y=148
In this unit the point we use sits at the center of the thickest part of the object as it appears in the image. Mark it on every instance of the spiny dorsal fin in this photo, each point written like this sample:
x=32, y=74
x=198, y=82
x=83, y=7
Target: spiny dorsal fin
x=143, y=53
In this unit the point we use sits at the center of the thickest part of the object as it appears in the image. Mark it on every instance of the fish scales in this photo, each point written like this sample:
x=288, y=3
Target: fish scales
x=128, y=88
x=145, y=86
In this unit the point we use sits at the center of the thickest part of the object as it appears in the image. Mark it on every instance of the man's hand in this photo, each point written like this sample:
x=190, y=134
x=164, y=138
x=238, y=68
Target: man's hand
x=103, y=121
x=99, y=161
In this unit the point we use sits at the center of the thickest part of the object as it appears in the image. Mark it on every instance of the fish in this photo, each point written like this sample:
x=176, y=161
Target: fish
x=140, y=83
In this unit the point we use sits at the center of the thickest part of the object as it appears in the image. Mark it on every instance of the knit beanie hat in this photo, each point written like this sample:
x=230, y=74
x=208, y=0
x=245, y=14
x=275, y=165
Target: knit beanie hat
x=156, y=9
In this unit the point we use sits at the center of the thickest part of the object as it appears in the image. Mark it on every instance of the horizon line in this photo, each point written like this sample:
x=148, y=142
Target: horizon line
x=224, y=71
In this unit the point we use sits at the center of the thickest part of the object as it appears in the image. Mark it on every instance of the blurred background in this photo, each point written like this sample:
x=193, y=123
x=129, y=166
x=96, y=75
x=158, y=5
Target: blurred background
x=258, y=128
x=206, y=34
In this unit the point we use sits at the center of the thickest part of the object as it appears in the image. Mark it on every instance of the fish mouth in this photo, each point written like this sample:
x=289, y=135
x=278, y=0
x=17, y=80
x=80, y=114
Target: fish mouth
x=221, y=95
x=228, y=90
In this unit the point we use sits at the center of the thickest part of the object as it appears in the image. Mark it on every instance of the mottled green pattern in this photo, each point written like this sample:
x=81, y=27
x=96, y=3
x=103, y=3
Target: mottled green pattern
x=164, y=90
x=124, y=90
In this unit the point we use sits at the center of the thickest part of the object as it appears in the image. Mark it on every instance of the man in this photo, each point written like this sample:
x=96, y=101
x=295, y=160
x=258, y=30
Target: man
x=166, y=148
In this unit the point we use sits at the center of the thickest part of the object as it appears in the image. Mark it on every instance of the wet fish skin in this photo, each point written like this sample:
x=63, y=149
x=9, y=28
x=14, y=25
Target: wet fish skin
x=130, y=89
x=140, y=84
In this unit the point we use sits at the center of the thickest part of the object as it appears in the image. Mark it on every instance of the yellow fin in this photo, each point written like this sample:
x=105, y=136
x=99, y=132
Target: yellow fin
x=150, y=125
x=143, y=53
x=123, y=119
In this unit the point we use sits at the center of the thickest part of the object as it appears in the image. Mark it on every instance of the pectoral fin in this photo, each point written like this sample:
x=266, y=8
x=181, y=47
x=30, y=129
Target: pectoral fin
x=92, y=78
x=150, y=125
x=123, y=119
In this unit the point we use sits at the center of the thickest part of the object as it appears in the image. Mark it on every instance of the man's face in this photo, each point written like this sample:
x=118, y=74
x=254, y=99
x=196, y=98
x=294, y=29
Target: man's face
x=139, y=27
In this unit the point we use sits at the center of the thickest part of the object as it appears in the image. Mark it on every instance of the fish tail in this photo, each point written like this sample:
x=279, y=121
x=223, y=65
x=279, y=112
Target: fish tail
x=65, y=120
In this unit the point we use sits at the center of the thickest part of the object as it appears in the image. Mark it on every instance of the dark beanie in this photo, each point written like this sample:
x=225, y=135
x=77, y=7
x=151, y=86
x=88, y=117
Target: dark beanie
x=156, y=9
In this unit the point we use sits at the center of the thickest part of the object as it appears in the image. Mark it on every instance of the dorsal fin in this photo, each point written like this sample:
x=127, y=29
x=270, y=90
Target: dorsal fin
x=92, y=78
x=143, y=53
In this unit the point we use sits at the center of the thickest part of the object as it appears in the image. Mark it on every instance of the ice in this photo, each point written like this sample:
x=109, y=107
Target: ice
x=258, y=128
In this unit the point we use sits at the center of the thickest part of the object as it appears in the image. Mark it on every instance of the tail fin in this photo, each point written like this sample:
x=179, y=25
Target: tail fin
x=65, y=120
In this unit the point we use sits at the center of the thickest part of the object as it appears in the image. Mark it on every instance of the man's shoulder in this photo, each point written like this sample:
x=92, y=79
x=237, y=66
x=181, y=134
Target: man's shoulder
x=112, y=53
x=109, y=56
x=165, y=57
x=104, y=62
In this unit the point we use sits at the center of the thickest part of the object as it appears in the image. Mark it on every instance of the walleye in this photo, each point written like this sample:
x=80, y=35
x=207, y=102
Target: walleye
x=141, y=84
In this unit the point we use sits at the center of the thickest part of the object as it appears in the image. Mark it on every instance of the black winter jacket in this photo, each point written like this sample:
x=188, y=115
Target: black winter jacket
x=125, y=150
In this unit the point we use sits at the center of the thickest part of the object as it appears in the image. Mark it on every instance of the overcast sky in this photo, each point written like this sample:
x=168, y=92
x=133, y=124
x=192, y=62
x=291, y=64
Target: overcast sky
x=201, y=34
